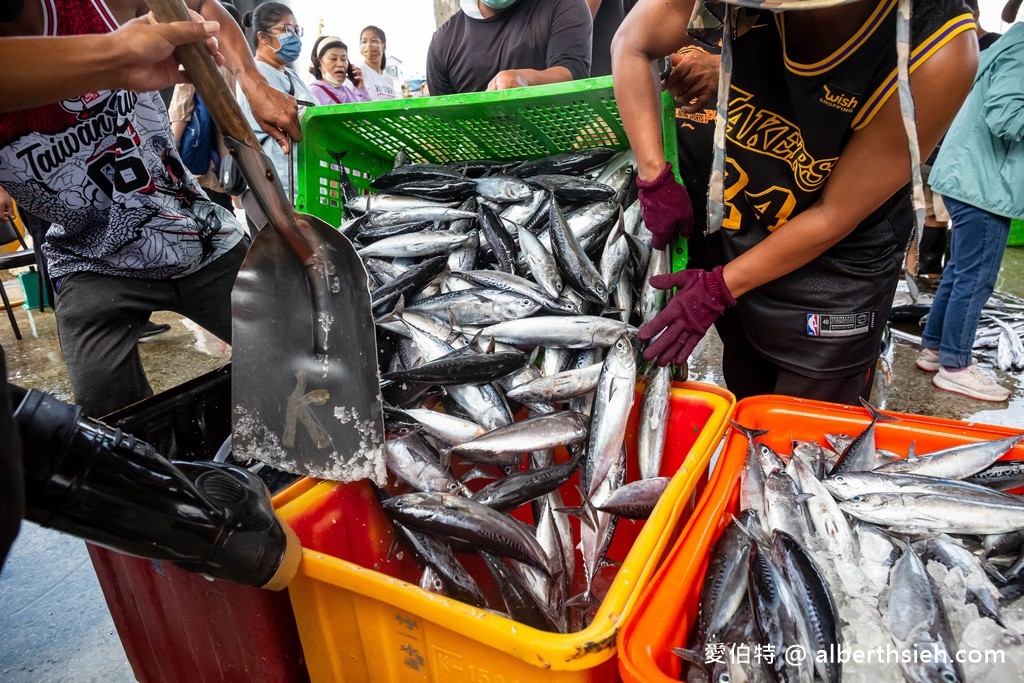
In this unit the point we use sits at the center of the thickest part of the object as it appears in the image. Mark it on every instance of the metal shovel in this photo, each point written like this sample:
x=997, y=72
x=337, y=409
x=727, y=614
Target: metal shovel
x=304, y=382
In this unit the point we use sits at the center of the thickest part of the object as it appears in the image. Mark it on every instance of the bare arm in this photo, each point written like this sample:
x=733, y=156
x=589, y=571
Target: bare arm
x=520, y=78
x=275, y=111
x=138, y=56
x=594, y=5
x=652, y=29
x=873, y=165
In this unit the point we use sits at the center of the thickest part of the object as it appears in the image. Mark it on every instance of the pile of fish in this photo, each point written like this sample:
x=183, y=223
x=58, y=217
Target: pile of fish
x=999, y=340
x=507, y=299
x=850, y=548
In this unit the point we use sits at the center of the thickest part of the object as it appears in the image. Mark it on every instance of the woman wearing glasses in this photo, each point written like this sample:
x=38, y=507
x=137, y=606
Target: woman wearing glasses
x=372, y=45
x=278, y=41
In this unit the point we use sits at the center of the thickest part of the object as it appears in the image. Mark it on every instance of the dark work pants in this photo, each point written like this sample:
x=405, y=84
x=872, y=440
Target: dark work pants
x=100, y=318
x=748, y=373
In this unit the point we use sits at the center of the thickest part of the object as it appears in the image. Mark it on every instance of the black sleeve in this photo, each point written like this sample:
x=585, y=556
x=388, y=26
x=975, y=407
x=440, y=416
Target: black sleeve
x=12, y=506
x=572, y=31
x=437, y=69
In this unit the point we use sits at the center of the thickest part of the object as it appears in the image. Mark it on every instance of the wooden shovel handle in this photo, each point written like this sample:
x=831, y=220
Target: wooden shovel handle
x=205, y=74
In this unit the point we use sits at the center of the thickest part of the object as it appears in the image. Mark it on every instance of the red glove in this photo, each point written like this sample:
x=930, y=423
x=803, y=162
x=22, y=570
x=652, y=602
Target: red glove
x=666, y=207
x=701, y=298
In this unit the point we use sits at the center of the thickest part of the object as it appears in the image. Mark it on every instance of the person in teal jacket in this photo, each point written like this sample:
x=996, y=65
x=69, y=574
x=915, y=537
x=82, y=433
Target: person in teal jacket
x=980, y=174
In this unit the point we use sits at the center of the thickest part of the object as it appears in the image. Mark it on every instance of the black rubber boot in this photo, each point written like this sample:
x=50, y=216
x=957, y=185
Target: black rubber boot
x=107, y=487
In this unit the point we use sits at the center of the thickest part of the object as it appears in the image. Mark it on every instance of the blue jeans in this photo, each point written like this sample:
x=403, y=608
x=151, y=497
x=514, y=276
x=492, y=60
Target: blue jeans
x=976, y=251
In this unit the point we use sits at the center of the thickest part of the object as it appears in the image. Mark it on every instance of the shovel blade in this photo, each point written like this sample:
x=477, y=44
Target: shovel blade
x=303, y=409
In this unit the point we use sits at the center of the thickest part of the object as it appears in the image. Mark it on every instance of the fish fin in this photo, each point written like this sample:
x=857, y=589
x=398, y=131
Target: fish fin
x=476, y=473
x=803, y=497
x=876, y=414
x=912, y=450
x=584, y=601
x=751, y=434
x=585, y=513
x=690, y=656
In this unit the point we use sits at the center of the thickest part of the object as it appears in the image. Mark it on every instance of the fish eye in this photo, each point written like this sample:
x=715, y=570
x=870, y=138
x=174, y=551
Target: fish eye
x=453, y=486
x=437, y=585
x=723, y=677
x=857, y=499
x=839, y=478
x=948, y=676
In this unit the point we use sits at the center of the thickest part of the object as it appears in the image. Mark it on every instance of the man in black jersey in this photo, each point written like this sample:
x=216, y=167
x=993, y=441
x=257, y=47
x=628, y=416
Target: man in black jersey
x=808, y=178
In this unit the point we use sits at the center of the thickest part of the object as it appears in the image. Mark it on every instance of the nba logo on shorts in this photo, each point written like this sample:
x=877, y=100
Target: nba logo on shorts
x=812, y=324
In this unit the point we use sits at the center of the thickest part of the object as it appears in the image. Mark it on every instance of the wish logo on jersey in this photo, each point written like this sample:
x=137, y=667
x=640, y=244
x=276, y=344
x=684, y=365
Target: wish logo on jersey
x=839, y=324
x=837, y=98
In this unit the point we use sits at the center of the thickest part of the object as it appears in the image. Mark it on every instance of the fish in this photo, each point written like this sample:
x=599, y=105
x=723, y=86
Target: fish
x=934, y=513
x=533, y=434
x=518, y=488
x=815, y=598
x=468, y=521
x=980, y=590
x=778, y=617
x=917, y=620
x=568, y=332
x=559, y=386
x=574, y=264
x=612, y=403
x=415, y=244
x=956, y=462
x=438, y=556
x=655, y=409
x=724, y=589
x=860, y=454
x=635, y=500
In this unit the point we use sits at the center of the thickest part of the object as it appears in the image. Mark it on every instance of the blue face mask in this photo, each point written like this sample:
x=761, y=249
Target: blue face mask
x=291, y=47
x=499, y=4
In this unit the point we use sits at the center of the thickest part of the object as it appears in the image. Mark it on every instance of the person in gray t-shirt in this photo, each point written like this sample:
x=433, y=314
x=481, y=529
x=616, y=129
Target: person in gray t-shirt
x=500, y=44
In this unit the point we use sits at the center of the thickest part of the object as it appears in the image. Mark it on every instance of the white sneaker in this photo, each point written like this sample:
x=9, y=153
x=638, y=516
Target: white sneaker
x=928, y=360
x=971, y=381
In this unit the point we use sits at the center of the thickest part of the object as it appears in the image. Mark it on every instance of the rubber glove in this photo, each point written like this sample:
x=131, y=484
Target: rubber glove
x=666, y=207
x=702, y=296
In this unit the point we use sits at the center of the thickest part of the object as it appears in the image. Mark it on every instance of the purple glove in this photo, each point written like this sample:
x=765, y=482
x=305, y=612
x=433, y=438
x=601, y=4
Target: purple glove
x=702, y=297
x=666, y=207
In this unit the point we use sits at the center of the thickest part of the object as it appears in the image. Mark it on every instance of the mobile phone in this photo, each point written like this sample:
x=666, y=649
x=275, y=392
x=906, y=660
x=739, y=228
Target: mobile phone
x=351, y=73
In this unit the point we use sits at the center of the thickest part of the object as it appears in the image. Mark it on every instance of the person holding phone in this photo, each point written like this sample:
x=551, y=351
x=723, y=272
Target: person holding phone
x=337, y=80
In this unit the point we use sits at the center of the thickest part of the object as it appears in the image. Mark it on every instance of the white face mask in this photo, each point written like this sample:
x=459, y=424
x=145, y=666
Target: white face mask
x=330, y=79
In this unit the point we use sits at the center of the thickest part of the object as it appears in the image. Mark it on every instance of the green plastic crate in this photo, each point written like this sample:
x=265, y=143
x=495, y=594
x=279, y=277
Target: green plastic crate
x=523, y=123
x=1016, y=233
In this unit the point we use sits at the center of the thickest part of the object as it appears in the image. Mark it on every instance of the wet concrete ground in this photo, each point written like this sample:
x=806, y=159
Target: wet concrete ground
x=56, y=626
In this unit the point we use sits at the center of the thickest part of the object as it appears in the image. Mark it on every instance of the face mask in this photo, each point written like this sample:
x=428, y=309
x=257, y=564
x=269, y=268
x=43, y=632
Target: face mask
x=291, y=47
x=331, y=79
x=499, y=4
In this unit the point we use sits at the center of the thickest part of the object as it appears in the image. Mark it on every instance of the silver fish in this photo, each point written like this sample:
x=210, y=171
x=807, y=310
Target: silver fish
x=541, y=264
x=533, y=434
x=468, y=521
x=917, y=620
x=613, y=400
x=931, y=513
x=572, y=332
x=957, y=462
x=415, y=244
x=655, y=408
x=558, y=387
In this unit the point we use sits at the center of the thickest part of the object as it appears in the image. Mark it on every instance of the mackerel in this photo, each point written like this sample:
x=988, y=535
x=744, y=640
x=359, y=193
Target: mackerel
x=613, y=400
x=468, y=521
x=958, y=462
x=572, y=332
x=655, y=408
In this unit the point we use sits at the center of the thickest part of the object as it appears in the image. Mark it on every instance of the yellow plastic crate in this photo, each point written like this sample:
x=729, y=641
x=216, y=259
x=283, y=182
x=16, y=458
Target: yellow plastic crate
x=362, y=618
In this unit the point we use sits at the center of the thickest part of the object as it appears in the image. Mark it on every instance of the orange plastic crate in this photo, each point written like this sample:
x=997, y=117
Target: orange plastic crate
x=361, y=616
x=667, y=609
